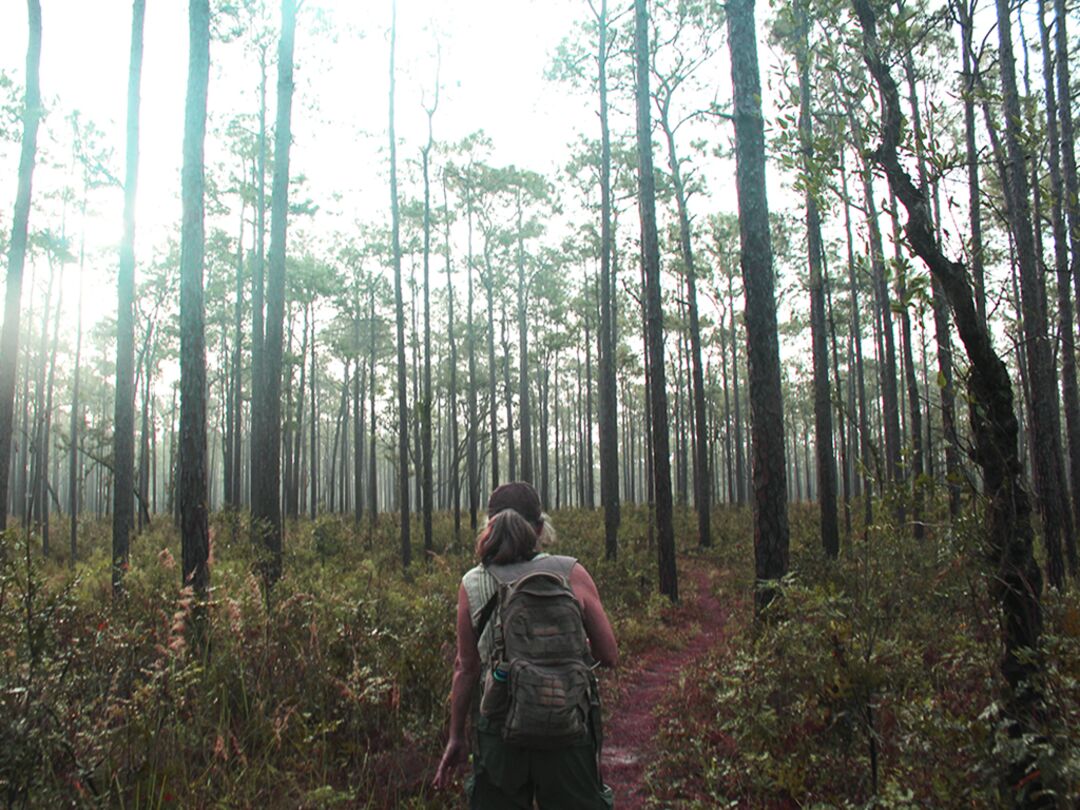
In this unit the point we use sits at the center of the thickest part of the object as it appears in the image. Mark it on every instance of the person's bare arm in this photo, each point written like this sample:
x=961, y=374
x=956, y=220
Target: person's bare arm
x=597, y=627
x=466, y=674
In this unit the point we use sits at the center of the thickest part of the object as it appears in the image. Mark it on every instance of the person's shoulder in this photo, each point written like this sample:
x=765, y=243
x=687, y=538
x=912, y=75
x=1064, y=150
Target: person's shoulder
x=473, y=574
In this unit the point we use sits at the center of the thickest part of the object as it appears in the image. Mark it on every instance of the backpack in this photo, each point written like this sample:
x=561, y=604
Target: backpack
x=537, y=684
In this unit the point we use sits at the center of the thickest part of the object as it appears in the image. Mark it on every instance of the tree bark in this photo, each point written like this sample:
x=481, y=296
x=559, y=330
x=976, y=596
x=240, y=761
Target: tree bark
x=609, y=436
x=399, y=309
x=1066, y=330
x=702, y=489
x=455, y=466
x=124, y=416
x=766, y=402
x=1044, y=414
x=669, y=585
x=1016, y=580
x=9, y=338
x=823, y=429
x=266, y=479
x=194, y=532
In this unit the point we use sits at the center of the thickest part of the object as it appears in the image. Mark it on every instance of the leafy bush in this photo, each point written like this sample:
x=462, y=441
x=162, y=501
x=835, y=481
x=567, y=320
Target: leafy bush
x=329, y=691
x=871, y=681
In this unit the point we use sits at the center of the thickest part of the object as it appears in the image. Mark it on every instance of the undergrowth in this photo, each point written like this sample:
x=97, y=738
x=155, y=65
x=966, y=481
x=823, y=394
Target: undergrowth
x=329, y=691
x=872, y=681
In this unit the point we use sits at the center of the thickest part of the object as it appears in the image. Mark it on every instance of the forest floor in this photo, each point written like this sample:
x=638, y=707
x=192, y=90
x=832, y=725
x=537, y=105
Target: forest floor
x=699, y=623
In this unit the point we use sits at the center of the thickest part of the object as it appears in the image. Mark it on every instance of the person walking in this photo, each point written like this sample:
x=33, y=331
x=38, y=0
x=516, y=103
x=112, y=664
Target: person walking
x=530, y=628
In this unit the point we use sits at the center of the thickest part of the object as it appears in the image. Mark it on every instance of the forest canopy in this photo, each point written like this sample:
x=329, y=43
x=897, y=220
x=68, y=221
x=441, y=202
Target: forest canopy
x=774, y=307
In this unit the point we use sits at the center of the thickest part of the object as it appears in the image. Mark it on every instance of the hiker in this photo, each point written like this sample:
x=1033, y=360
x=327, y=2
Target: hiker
x=521, y=756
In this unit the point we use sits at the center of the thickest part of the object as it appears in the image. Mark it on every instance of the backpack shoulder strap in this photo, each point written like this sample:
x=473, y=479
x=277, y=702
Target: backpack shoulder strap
x=485, y=614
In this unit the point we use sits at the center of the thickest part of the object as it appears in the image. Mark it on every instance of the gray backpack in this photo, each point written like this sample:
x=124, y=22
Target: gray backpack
x=537, y=684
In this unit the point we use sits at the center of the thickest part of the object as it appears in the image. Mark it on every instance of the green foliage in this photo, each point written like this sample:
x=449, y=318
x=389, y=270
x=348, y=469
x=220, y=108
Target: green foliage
x=872, y=681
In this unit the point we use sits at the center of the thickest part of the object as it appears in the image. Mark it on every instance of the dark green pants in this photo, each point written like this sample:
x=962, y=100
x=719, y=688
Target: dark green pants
x=509, y=778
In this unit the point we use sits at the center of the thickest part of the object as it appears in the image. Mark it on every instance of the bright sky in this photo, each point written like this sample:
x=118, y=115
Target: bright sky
x=493, y=55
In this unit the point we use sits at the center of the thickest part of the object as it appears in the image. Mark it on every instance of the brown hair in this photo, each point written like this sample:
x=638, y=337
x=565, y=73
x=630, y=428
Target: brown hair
x=507, y=538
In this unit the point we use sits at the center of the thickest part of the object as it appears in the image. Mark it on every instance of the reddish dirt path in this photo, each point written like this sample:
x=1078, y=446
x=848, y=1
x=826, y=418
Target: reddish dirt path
x=630, y=734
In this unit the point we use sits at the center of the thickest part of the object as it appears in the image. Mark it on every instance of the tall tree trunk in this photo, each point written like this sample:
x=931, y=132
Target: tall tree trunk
x=1065, y=305
x=609, y=437
x=1044, y=415
x=358, y=431
x=1017, y=581
x=524, y=411
x=9, y=339
x=740, y=445
x=842, y=430
x=236, y=402
x=889, y=376
x=76, y=405
x=508, y=393
x=399, y=309
x=373, y=458
x=194, y=532
x=124, y=416
x=1068, y=148
x=702, y=493
x=669, y=584
x=823, y=438
x=455, y=466
x=428, y=484
x=493, y=406
x=292, y=482
x=856, y=340
x=473, y=436
x=766, y=402
x=966, y=9
x=313, y=427
x=266, y=481
x=45, y=443
x=587, y=422
x=257, y=483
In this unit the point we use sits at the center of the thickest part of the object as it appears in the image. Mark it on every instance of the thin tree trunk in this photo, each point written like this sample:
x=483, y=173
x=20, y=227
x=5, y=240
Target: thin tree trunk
x=508, y=393
x=1044, y=416
x=266, y=478
x=124, y=416
x=587, y=422
x=373, y=478
x=702, y=494
x=668, y=577
x=236, y=404
x=609, y=438
x=76, y=405
x=399, y=308
x=493, y=406
x=313, y=426
x=9, y=339
x=1065, y=305
x=428, y=484
x=194, y=530
x=455, y=466
x=766, y=403
x=473, y=437
x=1017, y=581
x=524, y=411
x=823, y=438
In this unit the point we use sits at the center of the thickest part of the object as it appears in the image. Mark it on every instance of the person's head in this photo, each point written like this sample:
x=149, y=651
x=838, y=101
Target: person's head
x=516, y=524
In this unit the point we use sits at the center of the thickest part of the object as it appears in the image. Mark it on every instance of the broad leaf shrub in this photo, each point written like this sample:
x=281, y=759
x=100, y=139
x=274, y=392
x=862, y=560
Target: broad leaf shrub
x=871, y=682
x=329, y=691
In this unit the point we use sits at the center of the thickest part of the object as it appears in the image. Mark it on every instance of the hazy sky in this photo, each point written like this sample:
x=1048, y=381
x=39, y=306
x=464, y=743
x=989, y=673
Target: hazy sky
x=494, y=53
x=493, y=57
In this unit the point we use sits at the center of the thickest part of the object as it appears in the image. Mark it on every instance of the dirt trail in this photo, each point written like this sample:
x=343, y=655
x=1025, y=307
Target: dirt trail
x=630, y=735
